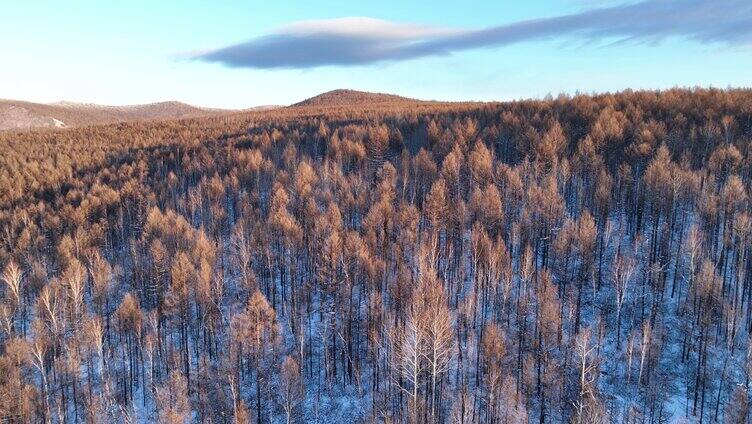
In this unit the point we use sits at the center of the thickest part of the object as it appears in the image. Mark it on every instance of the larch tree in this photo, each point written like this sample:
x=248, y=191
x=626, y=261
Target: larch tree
x=171, y=400
x=256, y=333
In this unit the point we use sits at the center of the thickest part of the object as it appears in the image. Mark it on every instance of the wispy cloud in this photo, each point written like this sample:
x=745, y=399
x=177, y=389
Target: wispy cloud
x=362, y=41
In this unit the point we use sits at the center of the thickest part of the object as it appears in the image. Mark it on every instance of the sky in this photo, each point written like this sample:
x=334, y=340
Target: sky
x=243, y=53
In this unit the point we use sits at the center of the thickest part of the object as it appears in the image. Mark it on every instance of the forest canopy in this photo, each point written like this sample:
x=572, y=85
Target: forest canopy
x=575, y=259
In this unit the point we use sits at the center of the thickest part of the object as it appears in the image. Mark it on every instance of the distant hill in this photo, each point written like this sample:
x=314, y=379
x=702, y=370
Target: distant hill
x=340, y=97
x=16, y=114
x=262, y=108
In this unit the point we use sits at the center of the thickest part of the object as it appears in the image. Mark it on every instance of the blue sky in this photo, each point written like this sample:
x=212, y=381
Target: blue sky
x=207, y=53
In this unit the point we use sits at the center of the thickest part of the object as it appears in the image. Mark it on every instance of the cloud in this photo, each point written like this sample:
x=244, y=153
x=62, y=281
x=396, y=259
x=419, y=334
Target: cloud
x=363, y=41
x=344, y=41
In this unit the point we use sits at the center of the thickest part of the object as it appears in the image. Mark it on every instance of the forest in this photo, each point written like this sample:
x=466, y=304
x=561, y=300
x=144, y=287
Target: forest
x=573, y=259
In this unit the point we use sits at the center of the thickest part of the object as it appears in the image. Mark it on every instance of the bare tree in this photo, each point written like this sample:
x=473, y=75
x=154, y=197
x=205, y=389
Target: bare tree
x=408, y=345
x=12, y=277
x=622, y=270
x=290, y=388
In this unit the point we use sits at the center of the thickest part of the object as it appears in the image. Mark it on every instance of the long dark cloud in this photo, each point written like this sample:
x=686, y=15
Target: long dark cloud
x=362, y=41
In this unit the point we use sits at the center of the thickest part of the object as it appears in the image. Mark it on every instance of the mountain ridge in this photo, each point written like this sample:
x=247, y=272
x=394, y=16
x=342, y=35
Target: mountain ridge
x=24, y=115
x=20, y=115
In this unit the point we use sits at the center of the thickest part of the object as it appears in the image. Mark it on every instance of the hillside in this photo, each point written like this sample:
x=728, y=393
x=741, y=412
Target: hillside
x=337, y=98
x=574, y=260
x=16, y=114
